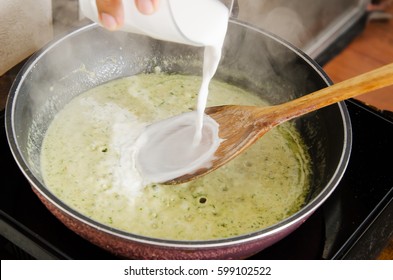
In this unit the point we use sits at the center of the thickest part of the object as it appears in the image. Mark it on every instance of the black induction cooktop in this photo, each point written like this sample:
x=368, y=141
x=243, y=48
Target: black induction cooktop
x=356, y=222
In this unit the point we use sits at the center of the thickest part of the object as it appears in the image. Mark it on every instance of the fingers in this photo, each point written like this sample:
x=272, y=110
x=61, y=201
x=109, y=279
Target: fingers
x=111, y=12
x=147, y=7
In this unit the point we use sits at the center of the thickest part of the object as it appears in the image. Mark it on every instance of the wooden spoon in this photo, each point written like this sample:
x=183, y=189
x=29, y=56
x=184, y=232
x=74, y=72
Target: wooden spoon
x=241, y=126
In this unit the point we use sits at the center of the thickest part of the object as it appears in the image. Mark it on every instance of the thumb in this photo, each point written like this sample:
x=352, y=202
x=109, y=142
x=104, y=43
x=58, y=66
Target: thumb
x=147, y=7
x=110, y=13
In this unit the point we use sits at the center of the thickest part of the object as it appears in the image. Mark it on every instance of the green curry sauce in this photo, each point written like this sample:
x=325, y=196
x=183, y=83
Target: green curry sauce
x=80, y=157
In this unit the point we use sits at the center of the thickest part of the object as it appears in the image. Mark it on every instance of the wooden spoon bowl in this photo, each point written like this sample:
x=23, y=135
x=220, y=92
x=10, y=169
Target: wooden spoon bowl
x=241, y=126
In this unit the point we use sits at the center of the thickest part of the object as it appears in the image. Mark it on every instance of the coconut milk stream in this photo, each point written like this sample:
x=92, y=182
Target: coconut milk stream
x=167, y=150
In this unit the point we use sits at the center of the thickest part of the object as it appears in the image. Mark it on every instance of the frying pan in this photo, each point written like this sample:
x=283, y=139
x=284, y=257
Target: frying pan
x=252, y=59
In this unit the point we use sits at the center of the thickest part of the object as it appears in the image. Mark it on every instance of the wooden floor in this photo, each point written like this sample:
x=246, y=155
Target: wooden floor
x=371, y=49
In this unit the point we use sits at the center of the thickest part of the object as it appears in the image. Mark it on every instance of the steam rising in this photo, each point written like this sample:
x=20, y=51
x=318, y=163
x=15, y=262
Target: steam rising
x=278, y=19
x=304, y=23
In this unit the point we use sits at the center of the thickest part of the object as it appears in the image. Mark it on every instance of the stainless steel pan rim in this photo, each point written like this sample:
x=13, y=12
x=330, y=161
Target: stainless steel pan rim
x=301, y=215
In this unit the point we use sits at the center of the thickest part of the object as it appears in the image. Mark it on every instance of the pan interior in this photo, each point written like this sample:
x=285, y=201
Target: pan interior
x=273, y=70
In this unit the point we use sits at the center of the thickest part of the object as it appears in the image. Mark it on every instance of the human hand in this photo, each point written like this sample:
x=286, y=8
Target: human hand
x=111, y=13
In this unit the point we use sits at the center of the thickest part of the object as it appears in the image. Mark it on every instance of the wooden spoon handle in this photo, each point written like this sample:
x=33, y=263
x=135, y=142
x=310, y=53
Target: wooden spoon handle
x=378, y=78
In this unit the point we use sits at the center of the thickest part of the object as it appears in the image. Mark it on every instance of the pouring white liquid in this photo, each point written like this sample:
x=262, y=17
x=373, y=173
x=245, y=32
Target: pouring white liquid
x=184, y=144
x=194, y=22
